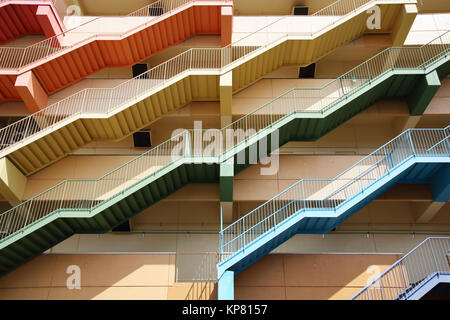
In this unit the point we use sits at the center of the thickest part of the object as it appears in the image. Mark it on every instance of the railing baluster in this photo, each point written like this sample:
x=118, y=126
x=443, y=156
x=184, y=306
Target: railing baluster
x=410, y=270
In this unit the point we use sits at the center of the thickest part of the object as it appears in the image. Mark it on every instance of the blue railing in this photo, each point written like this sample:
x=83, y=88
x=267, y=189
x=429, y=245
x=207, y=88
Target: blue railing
x=429, y=258
x=329, y=194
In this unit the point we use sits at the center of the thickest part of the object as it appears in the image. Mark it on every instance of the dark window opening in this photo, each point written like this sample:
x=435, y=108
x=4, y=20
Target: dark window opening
x=124, y=227
x=155, y=11
x=142, y=139
x=307, y=72
x=300, y=11
x=139, y=69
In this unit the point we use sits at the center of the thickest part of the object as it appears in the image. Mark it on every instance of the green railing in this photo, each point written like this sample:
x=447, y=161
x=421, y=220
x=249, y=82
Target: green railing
x=81, y=195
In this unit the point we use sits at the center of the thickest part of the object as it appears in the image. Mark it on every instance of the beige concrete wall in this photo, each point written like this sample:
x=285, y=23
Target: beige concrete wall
x=109, y=7
x=397, y=215
x=441, y=101
x=102, y=277
x=309, y=277
x=334, y=242
x=381, y=216
x=152, y=276
x=182, y=214
x=385, y=216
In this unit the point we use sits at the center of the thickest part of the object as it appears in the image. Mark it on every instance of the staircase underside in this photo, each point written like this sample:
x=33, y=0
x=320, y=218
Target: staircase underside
x=18, y=19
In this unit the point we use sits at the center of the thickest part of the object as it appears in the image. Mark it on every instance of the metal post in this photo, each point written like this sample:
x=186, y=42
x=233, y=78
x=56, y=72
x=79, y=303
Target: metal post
x=274, y=218
x=93, y=195
x=23, y=57
x=423, y=58
x=221, y=233
x=368, y=72
x=84, y=100
x=242, y=235
x=411, y=142
x=28, y=213
x=405, y=284
x=63, y=195
x=381, y=288
x=390, y=57
x=434, y=256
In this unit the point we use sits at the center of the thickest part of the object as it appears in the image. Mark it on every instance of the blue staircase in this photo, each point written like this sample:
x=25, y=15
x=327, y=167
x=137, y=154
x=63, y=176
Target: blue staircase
x=318, y=206
x=414, y=275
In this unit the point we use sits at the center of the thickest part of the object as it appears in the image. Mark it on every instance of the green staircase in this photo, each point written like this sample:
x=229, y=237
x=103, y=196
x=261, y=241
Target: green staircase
x=99, y=205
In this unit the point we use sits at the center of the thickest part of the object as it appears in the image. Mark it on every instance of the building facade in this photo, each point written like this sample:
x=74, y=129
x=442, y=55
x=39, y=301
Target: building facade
x=220, y=149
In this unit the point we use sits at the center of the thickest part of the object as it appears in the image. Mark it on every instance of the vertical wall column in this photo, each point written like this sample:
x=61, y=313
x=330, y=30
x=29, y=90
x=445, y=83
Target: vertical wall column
x=423, y=93
x=49, y=21
x=31, y=91
x=226, y=190
x=440, y=190
x=226, y=25
x=226, y=286
x=12, y=182
x=226, y=96
x=440, y=186
x=404, y=24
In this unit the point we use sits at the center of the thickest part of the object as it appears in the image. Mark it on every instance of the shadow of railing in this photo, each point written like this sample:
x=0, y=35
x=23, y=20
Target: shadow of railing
x=200, y=269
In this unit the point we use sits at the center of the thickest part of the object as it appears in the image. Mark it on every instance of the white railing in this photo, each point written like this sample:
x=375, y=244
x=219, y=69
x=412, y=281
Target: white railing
x=429, y=258
x=17, y=58
x=107, y=100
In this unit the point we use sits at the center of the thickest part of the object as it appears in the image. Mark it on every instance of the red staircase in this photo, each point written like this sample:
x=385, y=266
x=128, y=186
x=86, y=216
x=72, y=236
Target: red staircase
x=64, y=66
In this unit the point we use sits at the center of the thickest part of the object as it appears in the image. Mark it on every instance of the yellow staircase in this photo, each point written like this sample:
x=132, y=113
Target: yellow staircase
x=111, y=114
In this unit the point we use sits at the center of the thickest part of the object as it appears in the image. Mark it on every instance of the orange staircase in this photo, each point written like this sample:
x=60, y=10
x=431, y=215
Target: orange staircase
x=53, y=64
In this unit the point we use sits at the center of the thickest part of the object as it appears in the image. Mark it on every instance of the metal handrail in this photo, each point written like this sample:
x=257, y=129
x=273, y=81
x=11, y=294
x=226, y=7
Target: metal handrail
x=420, y=264
x=319, y=194
x=109, y=100
x=437, y=144
x=55, y=45
x=21, y=58
x=87, y=194
x=52, y=1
